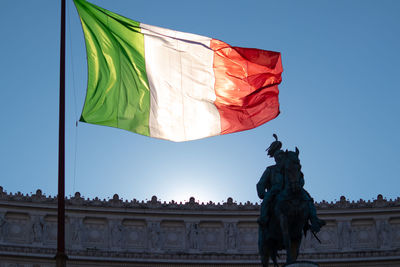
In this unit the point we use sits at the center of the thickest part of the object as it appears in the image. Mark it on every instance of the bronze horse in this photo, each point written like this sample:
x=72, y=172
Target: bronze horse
x=289, y=215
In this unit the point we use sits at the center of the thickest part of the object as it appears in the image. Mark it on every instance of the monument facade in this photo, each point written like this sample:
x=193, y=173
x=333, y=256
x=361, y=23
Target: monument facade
x=119, y=232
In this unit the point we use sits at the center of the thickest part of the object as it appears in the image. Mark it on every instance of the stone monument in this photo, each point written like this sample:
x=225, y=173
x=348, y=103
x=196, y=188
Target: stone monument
x=301, y=264
x=115, y=232
x=287, y=209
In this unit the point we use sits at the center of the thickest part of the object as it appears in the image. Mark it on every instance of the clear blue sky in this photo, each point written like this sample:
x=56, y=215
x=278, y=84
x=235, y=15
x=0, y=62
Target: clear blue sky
x=340, y=102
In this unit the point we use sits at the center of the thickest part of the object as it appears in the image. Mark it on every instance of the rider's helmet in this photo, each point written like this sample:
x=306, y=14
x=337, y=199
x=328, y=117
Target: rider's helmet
x=274, y=147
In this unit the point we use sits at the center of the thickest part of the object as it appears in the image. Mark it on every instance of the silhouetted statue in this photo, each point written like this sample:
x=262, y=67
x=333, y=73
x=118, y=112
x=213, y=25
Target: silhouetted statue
x=286, y=209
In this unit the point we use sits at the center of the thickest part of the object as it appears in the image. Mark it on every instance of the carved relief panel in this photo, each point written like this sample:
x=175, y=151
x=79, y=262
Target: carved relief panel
x=134, y=234
x=153, y=236
x=50, y=230
x=116, y=234
x=344, y=232
x=307, y=243
x=74, y=232
x=395, y=228
x=173, y=235
x=328, y=236
x=247, y=236
x=95, y=232
x=384, y=233
x=211, y=236
x=16, y=227
x=363, y=234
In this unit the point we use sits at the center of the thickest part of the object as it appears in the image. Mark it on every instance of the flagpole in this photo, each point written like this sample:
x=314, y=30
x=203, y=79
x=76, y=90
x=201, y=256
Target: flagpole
x=61, y=257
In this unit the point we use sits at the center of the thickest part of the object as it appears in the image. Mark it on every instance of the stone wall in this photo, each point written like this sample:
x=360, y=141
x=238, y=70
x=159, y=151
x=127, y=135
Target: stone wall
x=153, y=233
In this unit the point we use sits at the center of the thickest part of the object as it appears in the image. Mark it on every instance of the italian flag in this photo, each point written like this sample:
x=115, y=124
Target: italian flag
x=173, y=85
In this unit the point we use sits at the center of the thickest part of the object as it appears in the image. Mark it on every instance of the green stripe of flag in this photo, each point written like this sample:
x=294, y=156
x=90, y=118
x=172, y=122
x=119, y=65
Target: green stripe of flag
x=118, y=93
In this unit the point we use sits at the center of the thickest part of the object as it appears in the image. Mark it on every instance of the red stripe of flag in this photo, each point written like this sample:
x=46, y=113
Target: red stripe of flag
x=246, y=86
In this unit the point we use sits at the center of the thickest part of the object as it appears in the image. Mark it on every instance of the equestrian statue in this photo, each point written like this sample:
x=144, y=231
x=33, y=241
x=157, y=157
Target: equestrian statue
x=287, y=209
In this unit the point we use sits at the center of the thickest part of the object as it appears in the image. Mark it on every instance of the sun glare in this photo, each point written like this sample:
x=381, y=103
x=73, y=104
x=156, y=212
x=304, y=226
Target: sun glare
x=181, y=189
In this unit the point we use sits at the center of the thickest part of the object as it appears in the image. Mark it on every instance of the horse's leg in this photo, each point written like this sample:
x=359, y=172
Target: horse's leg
x=265, y=258
x=298, y=247
x=273, y=257
x=295, y=243
x=294, y=250
x=262, y=248
x=286, y=238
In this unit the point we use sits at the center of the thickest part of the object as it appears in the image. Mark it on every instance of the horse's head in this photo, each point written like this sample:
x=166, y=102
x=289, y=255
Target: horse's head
x=293, y=172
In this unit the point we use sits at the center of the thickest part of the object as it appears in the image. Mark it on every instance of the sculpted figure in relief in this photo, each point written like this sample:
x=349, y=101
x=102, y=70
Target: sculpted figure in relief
x=231, y=236
x=192, y=234
x=154, y=233
x=2, y=226
x=37, y=229
x=384, y=234
x=344, y=230
x=116, y=235
x=76, y=230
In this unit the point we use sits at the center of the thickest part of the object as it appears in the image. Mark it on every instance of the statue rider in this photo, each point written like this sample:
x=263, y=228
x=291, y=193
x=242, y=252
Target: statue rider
x=273, y=180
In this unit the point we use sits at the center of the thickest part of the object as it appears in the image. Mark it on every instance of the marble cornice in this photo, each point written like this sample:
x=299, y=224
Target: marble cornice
x=209, y=258
x=40, y=200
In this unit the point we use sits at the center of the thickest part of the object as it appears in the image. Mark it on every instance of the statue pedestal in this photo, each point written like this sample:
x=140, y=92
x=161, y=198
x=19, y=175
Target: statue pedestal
x=301, y=264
